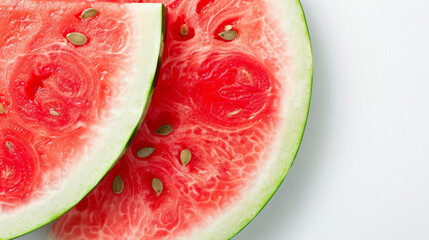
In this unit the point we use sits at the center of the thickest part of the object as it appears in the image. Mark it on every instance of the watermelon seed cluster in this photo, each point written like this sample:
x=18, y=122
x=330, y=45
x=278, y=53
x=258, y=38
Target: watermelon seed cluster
x=89, y=13
x=157, y=186
x=145, y=152
x=2, y=110
x=79, y=39
x=9, y=145
x=118, y=185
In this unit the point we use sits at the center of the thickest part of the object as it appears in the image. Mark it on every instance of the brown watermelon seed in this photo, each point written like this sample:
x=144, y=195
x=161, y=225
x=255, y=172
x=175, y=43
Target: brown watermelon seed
x=184, y=30
x=118, y=185
x=145, y=152
x=2, y=110
x=89, y=13
x=164, y=130
x=185, y=157
x=228, y=35
x=77, y=38
x=54, y=113
x=9, y=145
x=157, y=186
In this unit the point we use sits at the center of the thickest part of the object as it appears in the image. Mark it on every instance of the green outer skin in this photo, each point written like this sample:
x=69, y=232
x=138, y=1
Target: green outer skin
x=133, y=133
x=302, y=135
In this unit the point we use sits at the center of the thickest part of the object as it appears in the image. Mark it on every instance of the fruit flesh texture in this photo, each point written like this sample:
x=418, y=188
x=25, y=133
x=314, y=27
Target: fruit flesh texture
x=52, y=91
x=223, y=100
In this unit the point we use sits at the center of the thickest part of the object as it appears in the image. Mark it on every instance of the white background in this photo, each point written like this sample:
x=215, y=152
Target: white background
x=363, y=169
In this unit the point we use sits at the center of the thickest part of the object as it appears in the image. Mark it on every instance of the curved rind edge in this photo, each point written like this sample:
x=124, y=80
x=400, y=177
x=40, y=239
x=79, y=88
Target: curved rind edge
x=127, y=140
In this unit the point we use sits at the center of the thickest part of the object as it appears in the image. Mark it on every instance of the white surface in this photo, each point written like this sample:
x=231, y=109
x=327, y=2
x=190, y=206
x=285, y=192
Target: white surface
x=362, y=171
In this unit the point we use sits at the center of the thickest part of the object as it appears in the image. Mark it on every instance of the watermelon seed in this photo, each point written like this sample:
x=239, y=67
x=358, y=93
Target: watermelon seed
x=9, y=145
x=118, y=185
x=184, y=30
x=54, y=113
x=185, y=156
x=77, y=38
x=1, y=109
x=157, y=186
x=89, y=13
x=145, y=152
x=228, y=35
x=234, y=113
x=164, y=130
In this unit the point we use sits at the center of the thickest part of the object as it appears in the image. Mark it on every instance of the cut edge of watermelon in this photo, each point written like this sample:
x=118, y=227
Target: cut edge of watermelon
x=148, y=51
x=288, y=143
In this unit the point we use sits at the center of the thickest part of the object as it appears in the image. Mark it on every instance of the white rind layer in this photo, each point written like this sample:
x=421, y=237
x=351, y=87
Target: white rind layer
x=284, y=149
x=111, y=136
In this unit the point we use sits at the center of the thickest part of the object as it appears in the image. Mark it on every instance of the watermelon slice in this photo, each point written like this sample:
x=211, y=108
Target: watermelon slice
x=75, y=79
x=222, y=131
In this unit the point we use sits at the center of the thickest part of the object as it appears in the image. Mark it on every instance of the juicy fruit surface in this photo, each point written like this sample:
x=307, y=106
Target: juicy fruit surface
x=222, y=99
x=52, y=92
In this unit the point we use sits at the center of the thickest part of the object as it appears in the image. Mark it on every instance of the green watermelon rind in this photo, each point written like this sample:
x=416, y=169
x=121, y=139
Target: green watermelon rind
x=245, y=210
x=152, y=18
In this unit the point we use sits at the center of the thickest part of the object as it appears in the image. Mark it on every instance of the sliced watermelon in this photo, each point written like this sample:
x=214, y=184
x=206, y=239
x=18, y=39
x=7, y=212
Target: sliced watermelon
x=73, y=89
x=223, y=129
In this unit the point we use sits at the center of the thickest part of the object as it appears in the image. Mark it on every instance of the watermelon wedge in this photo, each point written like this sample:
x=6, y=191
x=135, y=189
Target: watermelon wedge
x=222, y=131
x=74, y=82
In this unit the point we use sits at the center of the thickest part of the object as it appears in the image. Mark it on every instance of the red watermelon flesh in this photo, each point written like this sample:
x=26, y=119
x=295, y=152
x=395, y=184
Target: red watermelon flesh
x=49, y=74
x=67, y=111
x=230, y=104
